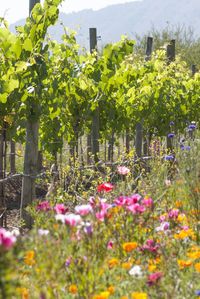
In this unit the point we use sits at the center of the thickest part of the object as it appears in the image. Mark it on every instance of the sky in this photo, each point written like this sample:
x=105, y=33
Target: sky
x=14, y=10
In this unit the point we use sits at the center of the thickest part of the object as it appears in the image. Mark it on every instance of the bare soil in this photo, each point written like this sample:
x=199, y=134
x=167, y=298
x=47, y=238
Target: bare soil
x=12, y=193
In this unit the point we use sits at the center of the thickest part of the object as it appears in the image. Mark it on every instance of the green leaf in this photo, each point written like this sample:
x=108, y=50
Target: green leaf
x=3, y=98
x=16, y=48
x=12, y=84
x=28, y=45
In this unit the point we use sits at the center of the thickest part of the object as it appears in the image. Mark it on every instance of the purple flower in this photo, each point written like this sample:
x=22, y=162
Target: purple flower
x=171, y=123
x=185, y=148
x=68, y=261
x=169, y=158
x=193, y=127
x=198, y=292
x=189, y=130
x=171, y=135
x=88, y=228
x=42, y=296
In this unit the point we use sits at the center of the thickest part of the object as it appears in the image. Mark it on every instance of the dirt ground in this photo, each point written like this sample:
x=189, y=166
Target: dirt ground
x=12, y=193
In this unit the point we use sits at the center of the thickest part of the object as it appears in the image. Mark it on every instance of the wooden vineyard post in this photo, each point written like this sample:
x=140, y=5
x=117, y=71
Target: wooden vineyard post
x=148, y=53
x=127, y=140
x=30, y=157
x=170, y=58
x=149, y=48
x=30, y=170
x=32, y=4
x=95, y=117
x=139, y=126
x=12, y=156
x=2, y=173
x=194, y=70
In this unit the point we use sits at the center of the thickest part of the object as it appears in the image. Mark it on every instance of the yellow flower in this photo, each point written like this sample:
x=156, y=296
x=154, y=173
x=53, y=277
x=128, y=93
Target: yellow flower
x=29, y=258
x=111, y=289
x=197, y=266
x=183, y=234
x=25, y=294
x=102, y=295
x=182, y=217
x=138, y=295
x=178, y=204
x=152, y=268
x=126, y=265
x=193, y=255
x=112, y=262
x=73, y=289
x=183, y=263
x=124, y=297
x=129, y=246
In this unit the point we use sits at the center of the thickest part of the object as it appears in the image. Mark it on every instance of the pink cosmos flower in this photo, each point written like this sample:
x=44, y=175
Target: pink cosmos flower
x=136, y=208
x=110, y=245
x=150, y=246
x=185, y=227
x=163, y=227
x=173, y=213
x=92, y=201
x=43, y=232
x=105, y=187
x=133, y=208
x=123, y=170
x=6, y=238
x=154, y=278
x=162, y=218
x=61, y=209
x=122, y=200
x=43, y=206
x=72, y=219
x=167, y=182
x=83, y=209
x=135, y=198
x=101, y=215
x=147, y=202
x=141, y=209
x=105, y=206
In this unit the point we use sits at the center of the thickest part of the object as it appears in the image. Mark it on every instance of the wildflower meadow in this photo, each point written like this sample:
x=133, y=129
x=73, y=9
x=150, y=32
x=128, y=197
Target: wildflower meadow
x=118, y=241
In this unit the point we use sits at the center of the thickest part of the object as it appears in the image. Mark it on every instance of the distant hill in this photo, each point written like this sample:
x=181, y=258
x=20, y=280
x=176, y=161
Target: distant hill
x=129, y=18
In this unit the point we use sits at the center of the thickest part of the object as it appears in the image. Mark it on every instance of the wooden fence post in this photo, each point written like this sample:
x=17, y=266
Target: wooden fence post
x=2, y=173
x=148, y=52
x=194, y=70
x=12, y=156
x=139, y=126
x=170, y=57
x=30, y=157
x=149, y=46
x=95, y=117
x=32, y=4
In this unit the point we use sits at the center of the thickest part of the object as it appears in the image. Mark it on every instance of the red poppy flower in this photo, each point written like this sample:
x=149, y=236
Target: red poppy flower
x=105, y=187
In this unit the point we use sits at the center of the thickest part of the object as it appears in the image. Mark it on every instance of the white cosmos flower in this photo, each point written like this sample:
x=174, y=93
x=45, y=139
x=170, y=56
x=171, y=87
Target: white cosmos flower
x=136, y=270
x=60, y=217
